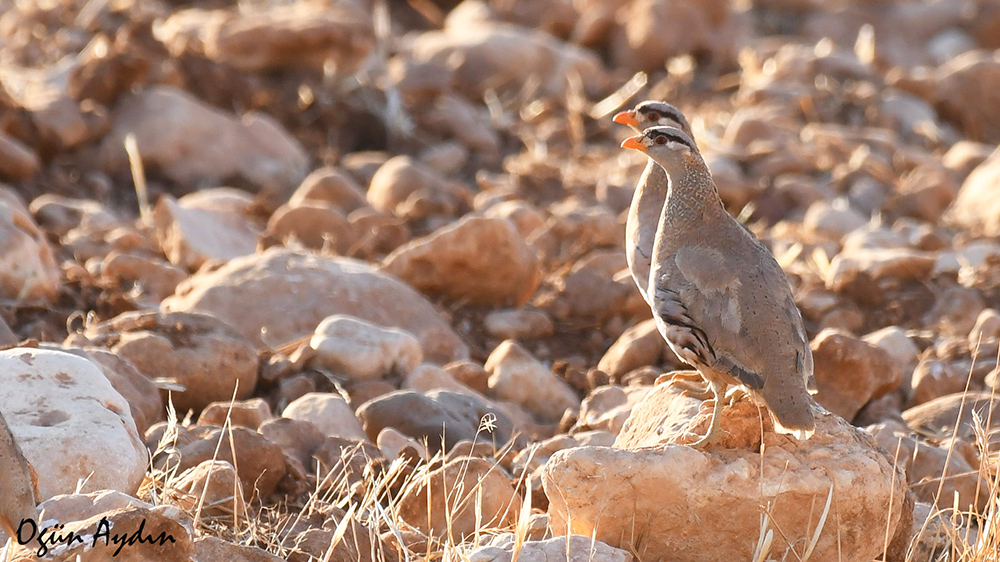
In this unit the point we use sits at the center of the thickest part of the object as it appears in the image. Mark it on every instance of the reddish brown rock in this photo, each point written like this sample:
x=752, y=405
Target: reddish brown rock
x=850, y=372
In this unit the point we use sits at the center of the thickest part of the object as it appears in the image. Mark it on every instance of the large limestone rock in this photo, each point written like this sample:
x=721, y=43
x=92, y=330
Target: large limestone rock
x=28, y=271
x=193, y=144
x=70, y=422
x=977, y=207
x=517, y=377
x=664, y=501
x=287, y=294
x=363, y=351
x=452, y=263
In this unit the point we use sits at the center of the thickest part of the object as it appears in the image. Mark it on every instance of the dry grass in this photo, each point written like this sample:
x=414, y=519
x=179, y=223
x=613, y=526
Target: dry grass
x=337, y=498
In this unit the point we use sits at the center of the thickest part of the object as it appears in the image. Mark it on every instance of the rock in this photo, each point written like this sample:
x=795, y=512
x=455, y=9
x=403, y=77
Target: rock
x=652, y=32
x=955, y=311
x=70, y=422
x=316, y=538
x=941, y=415
x=878, y=264
x=966, y=89
x=894, y=341
x=435, y=416
x=451, y=116
x=850, y=372
x=244, y=413
x=315, y=225
x=514, y=324
x=347, y=463
x=470, y=374
x=975, y=208
x=525, y=217
x=362, y=351
x=144, y=280
x=965, y=155
x=145, y=403
x=394, y=445
x=194, y=144
x=537, y=455
x=297, y=438
x=450, y=263
x=59, y=215
x=259, y=463
x=17, y=161
x=213, y=486
x=208, y=225
x=639, y=346
x=275, y=38
x=377, y=233
x=653, y=494
x=501, y=548
x=931, y=533
x=210, y=548
x=925, y=465
x=104, y=522
x=933, y=378
x=28, y=272
x=502, y=57
x=607, y=407
x=830, y=221
x=330, y=186
x=205, y=357
x=407, y=188
x=593, y=291
x=16, y=475
x=517, y=377
x=328, y=412
x=293, y=292
x=987, y=327
x=56, y=117
x=490, y=500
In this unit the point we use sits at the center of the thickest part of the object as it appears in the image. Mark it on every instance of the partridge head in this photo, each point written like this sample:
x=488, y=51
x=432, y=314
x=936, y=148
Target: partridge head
x=651, y=191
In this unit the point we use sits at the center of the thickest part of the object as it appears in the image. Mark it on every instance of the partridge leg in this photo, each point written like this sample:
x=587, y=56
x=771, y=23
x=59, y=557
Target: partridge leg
x=690, y=383
x=719, y=389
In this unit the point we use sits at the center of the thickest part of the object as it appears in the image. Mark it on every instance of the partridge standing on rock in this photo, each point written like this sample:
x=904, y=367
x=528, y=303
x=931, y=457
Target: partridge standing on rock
x=720, y=299
x=651, y=191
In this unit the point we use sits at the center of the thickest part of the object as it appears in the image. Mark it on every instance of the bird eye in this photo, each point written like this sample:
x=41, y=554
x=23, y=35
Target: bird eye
x=653, y=116
x=660, y=140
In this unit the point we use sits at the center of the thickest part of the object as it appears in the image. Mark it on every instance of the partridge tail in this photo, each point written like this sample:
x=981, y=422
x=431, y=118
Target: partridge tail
x=793, y=414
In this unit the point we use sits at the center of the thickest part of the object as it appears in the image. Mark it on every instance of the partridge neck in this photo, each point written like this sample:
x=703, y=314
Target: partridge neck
x=692, y=193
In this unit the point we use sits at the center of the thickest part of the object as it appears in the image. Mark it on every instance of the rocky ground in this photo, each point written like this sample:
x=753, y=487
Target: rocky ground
x=345, y=279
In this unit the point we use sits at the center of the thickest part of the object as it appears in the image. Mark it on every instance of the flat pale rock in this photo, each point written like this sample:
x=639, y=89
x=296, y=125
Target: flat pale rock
x=363, y=351
x=289, y=293
x=28, y=271
x=668, y=502
x=193, y=143
x=451, y=263
x=208, y=225
x=639, y=346
x=70, y=422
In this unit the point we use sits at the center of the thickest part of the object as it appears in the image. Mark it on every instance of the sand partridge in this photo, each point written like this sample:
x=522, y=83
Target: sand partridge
x=650, y=192
x=720, y=299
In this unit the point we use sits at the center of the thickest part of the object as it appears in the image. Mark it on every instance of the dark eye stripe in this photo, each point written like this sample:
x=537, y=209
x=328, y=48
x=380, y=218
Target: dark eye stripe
x=672, y=137
x=664, y=111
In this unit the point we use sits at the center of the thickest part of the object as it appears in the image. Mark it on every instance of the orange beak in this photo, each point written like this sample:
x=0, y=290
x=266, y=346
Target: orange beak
x=626, y=118
x=635, y=143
